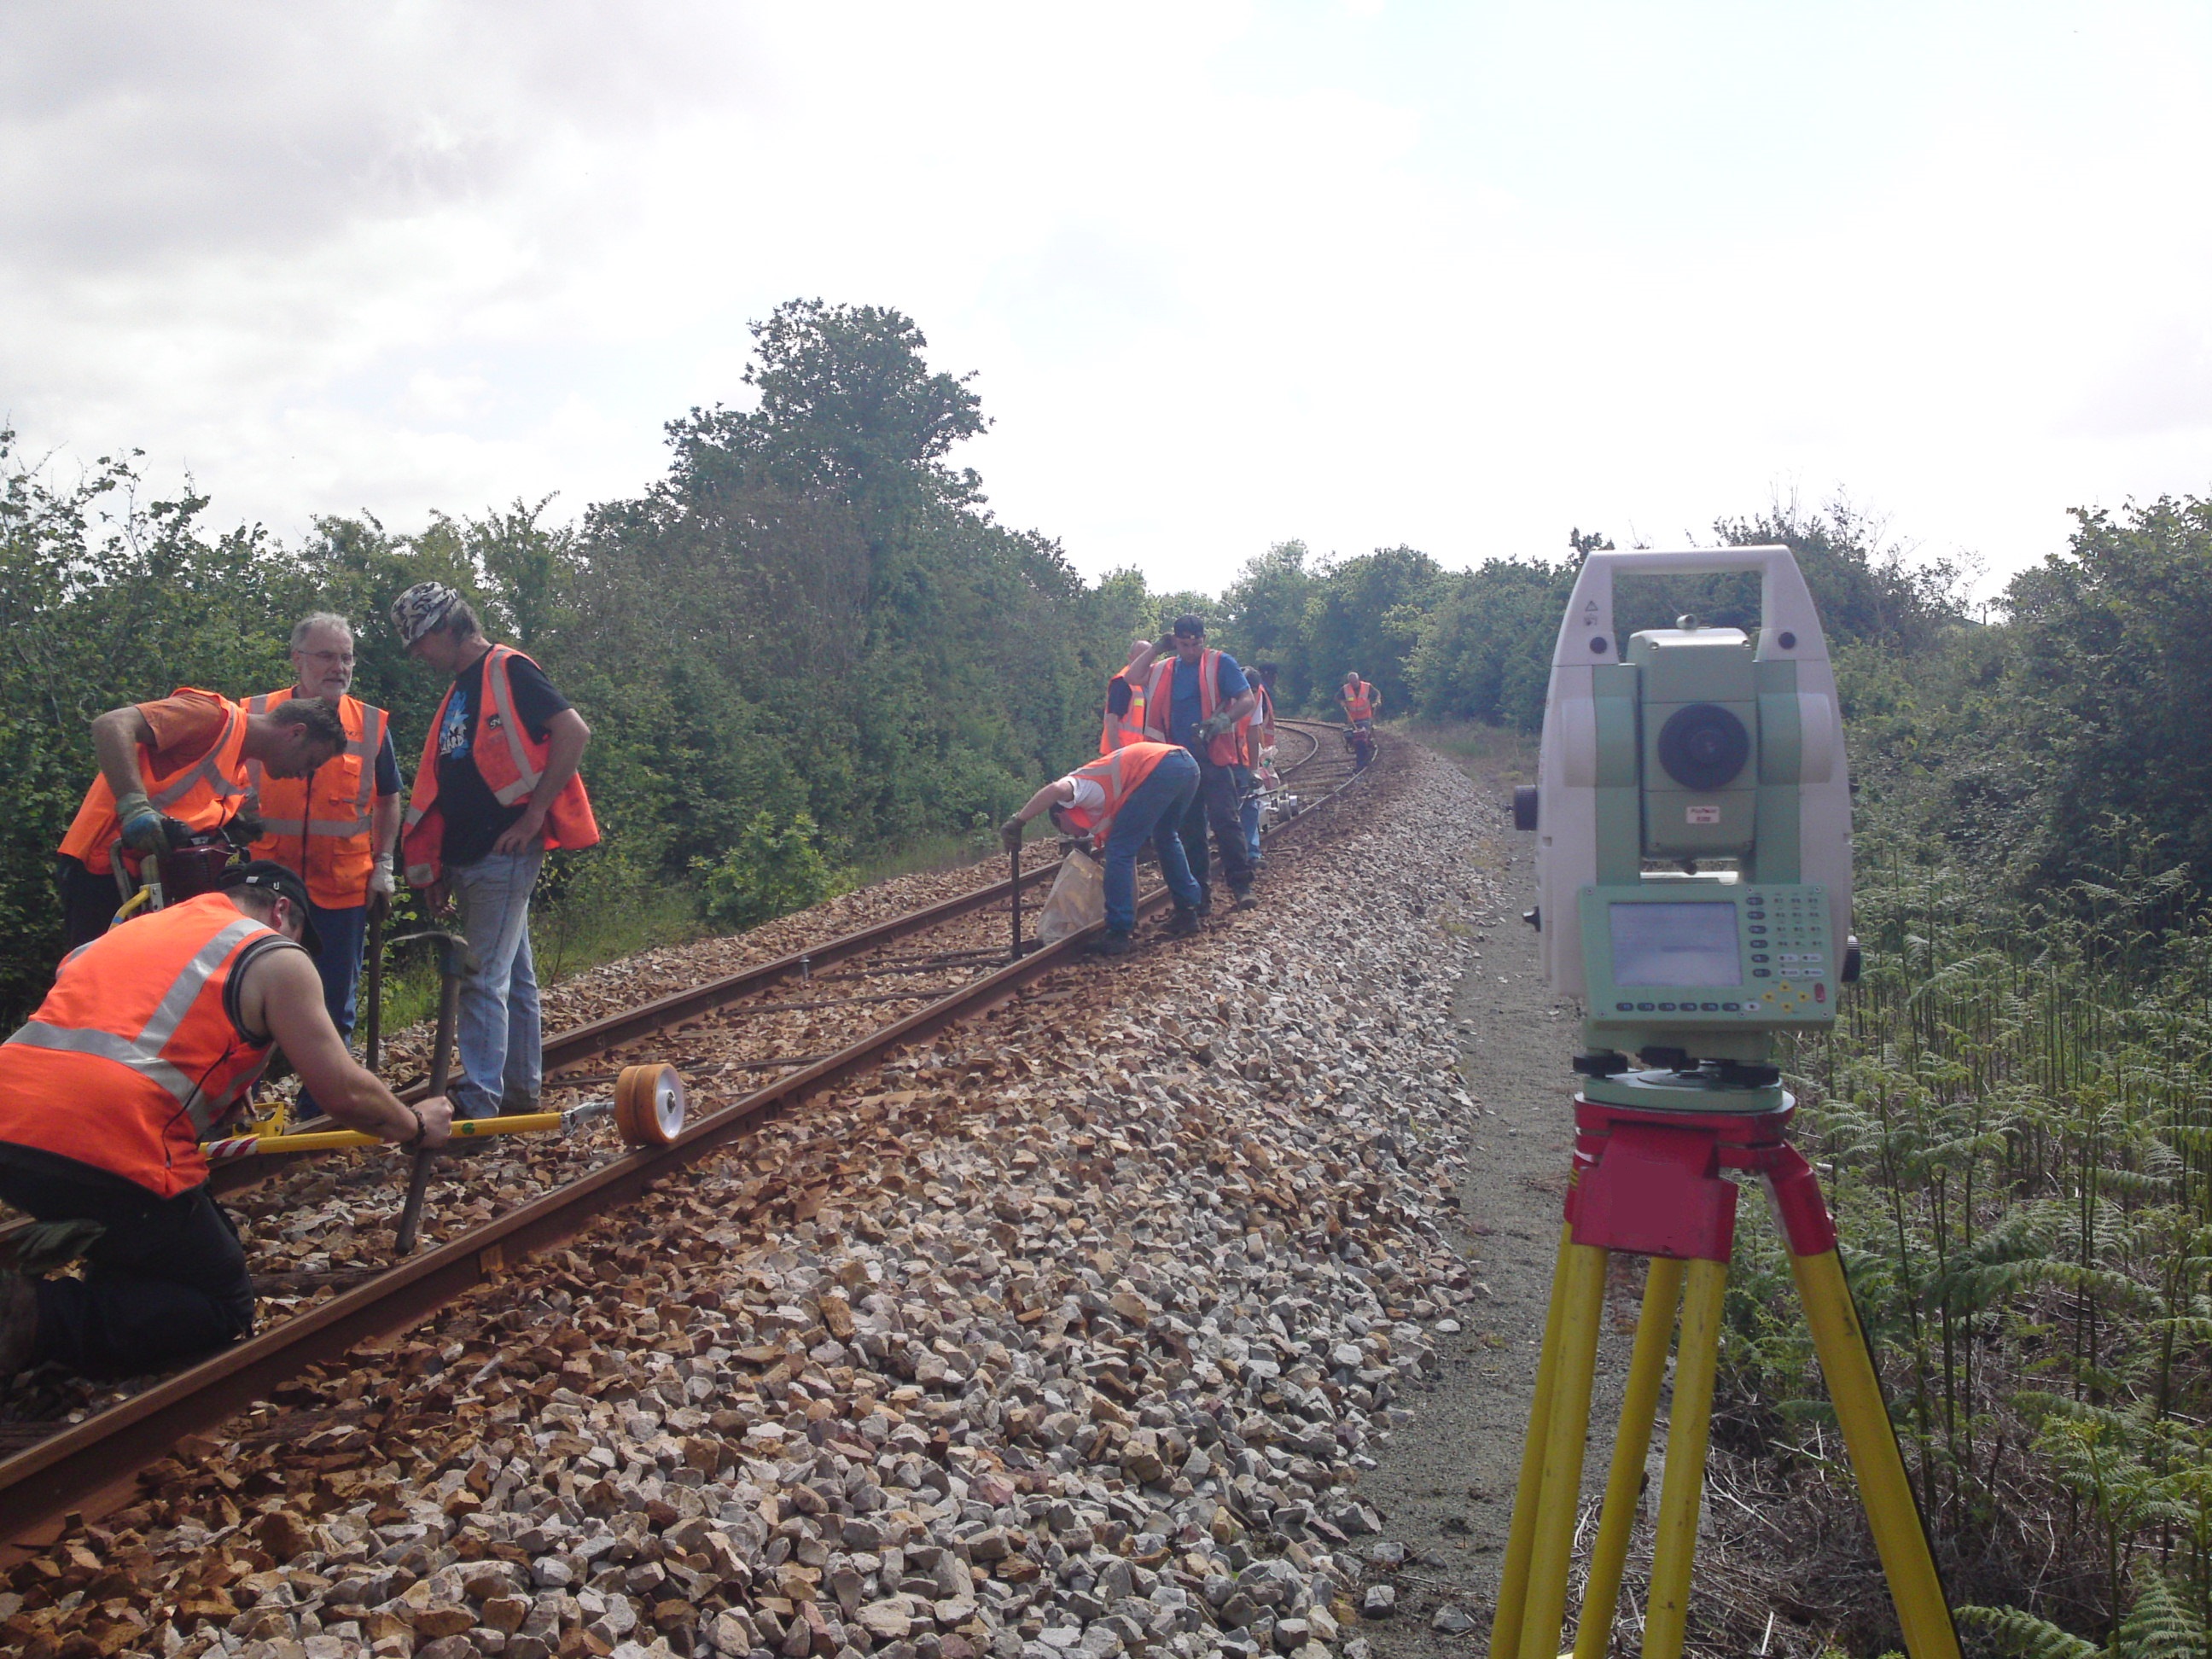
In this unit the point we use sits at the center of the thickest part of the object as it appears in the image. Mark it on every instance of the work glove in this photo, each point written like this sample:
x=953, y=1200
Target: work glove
x=379, y=879
x=1210, y=729
x=1009, y=835
x=144, y=829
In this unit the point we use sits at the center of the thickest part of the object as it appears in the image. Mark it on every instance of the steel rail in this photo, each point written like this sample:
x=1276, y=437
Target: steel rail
x=93, y=1466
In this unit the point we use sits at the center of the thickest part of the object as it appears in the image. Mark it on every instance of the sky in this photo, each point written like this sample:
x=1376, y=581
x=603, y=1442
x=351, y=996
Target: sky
x=1460, y=277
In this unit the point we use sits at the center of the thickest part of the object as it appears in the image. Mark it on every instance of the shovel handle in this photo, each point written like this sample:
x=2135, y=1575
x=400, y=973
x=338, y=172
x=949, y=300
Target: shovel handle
x=441, y=1065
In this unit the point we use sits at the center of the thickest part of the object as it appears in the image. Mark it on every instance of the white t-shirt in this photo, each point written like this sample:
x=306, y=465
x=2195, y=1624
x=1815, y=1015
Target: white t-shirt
x=1089, y=792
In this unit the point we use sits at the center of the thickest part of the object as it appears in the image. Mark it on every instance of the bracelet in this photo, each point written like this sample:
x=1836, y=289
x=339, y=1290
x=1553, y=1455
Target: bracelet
x=420, y=1130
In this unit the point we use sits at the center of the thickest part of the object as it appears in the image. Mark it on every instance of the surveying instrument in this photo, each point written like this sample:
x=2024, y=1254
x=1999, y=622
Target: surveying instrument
x=1694, y=869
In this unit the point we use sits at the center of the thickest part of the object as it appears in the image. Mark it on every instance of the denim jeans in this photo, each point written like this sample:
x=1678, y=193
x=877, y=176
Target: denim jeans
x=1215, y=805
x=342, y=934
x=500, y=1042
x=1249, y=819
x=166, y=1282
x=1151, y=813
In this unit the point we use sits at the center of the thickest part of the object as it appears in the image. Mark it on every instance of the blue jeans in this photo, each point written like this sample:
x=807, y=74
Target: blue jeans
x=1152, y=812
x=500, y=1042
x=1249, y=818
x=341, y=933
x=338, y=962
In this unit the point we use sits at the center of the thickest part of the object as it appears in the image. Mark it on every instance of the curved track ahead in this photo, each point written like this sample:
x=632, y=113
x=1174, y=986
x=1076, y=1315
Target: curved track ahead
x=90, y=1467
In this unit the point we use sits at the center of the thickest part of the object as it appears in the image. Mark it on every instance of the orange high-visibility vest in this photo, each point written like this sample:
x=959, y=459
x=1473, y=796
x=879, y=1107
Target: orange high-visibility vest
x=1118, y=774
x=1226, y=750
x=1128, y=726
x=1251, y=730
x=319, y=826
x=133, y=1055
x=510, y=761
x=206, y=794
x=1359, y=704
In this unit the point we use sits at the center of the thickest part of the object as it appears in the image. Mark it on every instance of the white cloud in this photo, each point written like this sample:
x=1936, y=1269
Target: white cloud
x=1363, y=274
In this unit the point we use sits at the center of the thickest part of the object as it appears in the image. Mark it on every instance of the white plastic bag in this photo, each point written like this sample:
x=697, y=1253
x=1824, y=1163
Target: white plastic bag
x=1077, y=901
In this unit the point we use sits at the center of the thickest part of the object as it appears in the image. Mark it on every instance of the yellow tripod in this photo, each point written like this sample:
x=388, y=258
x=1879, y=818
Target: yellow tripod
x=1650, y=1183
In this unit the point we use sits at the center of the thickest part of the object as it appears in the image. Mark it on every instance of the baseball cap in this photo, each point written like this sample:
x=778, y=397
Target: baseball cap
x=267, y=876
x=420, y=609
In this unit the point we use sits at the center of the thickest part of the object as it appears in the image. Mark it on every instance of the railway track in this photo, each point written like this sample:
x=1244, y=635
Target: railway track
x=85, y=1467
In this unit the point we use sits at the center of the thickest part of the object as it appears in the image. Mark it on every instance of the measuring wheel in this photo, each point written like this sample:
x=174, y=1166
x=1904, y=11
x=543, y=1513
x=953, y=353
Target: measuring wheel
x=649, y=1105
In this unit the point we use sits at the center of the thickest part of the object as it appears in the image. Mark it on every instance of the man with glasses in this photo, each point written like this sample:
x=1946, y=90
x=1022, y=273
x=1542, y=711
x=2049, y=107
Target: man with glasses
x=338, y=827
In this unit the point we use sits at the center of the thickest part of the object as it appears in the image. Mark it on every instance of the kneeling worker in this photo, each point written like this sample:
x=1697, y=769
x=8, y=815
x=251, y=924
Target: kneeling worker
x=154, y=1034
x=1137, y=793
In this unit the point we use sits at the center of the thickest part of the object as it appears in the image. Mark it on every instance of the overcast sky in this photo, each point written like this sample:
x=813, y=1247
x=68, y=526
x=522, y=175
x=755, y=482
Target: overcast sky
x=1357, y=271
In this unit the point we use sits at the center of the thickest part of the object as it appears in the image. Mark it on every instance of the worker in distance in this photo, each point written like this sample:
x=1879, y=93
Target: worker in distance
x=152, y=1038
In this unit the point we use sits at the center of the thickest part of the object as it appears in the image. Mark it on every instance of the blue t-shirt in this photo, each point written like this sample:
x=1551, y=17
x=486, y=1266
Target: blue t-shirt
x=1184, y=704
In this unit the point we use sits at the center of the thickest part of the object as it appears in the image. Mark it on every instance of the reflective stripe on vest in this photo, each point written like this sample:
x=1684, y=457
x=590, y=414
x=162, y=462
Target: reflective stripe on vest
x=1251, y=730
x=333, y=854
x=202, y=795
x=1127, y=728
x=568, y=820
x=364, y=740
x=1159, y=693
x=1118, y=774
x=1359, y=704
x=134, y=1054
x=142, y=1053
x=501, y=690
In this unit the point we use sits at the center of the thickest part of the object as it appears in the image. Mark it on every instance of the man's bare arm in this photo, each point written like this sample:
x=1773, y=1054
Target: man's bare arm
x=117, y=737
x=384, y=824
x=282, y=994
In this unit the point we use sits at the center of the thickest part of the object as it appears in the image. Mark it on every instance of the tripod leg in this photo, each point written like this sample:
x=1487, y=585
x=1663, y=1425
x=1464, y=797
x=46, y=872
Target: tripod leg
x=1513, y=1575
x=1647, y=1369
x=1922, y=1612
x=1689, y=1427
x=1566, y=1434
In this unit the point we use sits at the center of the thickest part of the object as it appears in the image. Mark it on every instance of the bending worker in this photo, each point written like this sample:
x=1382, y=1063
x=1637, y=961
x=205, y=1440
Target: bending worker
x=1125, y=696
x=337, y=827
x=497, y=787
x=181, y=761
x=152, y=1035
x=1138, y=794
x=1196, y=698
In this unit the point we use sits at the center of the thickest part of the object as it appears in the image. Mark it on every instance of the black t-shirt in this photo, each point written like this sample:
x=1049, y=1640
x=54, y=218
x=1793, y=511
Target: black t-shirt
x=474, y=818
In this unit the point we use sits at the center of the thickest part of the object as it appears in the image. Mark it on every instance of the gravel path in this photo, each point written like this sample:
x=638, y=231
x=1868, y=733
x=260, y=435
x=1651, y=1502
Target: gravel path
x=1071, y=1334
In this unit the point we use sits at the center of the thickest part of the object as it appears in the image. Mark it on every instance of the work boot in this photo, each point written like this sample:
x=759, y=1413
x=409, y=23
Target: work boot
x=1183, y=922
x=1112, y=944
x=1243, y=900
x=18, y=1322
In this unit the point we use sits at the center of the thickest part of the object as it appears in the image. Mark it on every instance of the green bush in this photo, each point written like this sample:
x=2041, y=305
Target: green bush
x=770, y=872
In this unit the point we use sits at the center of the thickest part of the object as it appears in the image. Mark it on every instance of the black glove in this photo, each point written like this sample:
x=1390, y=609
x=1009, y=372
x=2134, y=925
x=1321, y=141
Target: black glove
x=1009, y=835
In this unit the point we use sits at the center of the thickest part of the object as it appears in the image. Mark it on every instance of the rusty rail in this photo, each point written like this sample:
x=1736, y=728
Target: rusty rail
x=93, y=1466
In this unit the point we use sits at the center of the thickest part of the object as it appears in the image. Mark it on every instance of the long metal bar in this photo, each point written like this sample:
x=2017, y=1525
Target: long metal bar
x=101, y=1456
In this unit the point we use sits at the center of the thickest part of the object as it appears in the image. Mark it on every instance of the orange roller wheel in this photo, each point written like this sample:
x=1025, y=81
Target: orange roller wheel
x=649, y=1105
